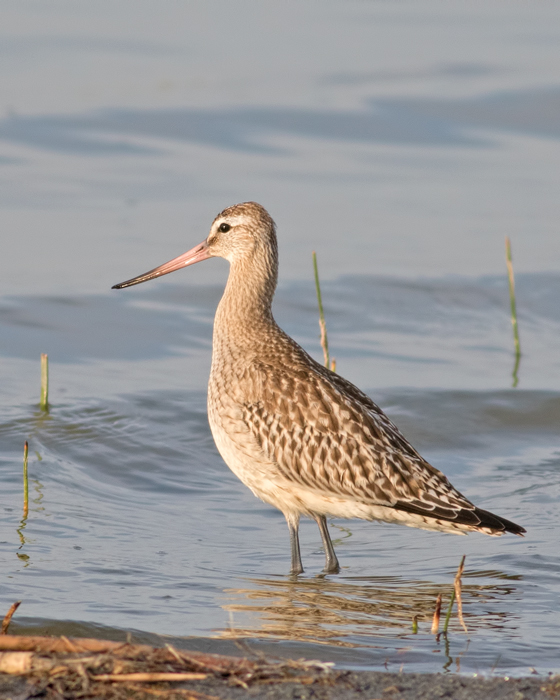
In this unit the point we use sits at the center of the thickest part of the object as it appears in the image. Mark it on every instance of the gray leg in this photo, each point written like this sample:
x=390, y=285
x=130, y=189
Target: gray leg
x=331, y=564
x=293, y=526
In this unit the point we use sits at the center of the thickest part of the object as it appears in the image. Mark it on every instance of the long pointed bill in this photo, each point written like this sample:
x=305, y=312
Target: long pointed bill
x=192, y=256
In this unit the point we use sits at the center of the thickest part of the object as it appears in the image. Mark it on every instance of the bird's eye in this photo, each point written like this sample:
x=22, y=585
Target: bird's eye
x=224, y=228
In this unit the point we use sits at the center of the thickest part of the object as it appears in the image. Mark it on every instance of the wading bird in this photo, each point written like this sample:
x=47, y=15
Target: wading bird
x=301, y=437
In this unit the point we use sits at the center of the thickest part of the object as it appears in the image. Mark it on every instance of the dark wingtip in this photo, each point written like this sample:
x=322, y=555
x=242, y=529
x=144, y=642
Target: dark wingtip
x=476, y=518
x=496, y=522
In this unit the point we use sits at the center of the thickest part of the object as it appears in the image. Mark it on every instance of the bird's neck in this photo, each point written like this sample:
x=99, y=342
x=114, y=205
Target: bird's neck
x=245, y=308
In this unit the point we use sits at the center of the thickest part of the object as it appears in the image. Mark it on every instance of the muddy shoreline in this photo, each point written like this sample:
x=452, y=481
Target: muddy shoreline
x=345, y=685
x=62, y=667
x=370, y=685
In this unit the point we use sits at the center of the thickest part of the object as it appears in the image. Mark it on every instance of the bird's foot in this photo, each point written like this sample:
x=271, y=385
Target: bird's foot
x=332, y=567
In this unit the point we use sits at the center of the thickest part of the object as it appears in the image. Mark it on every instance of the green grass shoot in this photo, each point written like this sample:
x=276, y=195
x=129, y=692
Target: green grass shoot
x=449, y=609
x=25, y=481
x=44, y=403
x=513, y=306
x=322, y=325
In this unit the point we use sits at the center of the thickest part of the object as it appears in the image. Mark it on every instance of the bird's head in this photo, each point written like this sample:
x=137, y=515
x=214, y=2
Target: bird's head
x=241, y=233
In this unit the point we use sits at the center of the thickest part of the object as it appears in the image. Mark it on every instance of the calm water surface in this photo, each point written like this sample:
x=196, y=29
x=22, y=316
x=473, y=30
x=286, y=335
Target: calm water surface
x=402, y=143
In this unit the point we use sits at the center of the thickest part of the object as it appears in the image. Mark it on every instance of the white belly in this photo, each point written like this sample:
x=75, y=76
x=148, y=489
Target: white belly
x=246, y=461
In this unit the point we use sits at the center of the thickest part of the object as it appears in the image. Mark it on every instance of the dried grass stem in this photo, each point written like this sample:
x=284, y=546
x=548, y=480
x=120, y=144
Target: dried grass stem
x=25, y=480
x=44, y=403
x=513, y=307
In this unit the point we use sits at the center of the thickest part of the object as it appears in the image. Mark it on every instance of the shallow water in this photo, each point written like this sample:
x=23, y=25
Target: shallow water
x=136, y=523
x=402, y=158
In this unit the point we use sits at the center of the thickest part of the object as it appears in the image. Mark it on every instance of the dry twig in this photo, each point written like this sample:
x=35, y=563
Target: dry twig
x=190, y=694
x=437, y=614
x=150, y=677
x=456, y=593
x=8, y=618
x=457, y=587
x=91, y=667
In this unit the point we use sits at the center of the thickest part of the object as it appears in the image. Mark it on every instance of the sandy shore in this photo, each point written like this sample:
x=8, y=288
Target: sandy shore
x=345, y=685
x=59, y=667
x=370, y=685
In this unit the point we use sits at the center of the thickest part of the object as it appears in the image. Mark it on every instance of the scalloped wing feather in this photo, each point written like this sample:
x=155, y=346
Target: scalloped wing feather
x=324, y=434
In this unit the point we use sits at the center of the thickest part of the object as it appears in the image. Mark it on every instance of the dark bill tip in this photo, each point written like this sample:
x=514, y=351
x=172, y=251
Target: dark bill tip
x=196, y=254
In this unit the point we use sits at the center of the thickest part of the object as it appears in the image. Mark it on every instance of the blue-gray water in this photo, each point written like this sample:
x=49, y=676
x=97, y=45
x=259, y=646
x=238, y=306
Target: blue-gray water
x=400, y=141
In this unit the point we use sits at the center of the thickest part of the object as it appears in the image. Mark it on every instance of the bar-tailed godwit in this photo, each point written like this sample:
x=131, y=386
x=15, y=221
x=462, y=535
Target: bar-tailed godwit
x=301, y=437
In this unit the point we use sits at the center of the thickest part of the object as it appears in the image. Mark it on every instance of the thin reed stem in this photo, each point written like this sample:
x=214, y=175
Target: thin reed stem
x=456, y=593
x=449, y=609
x=25, y=481
x=322, y=324
x=513, y=306
x=44, y=403
x=437, y=615
x=457, y=589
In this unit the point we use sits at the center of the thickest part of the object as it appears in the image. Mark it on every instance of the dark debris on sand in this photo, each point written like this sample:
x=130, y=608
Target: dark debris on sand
x=61, y=668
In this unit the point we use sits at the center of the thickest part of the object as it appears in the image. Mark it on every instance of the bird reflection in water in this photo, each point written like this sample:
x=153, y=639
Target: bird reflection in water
x=349, y=611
